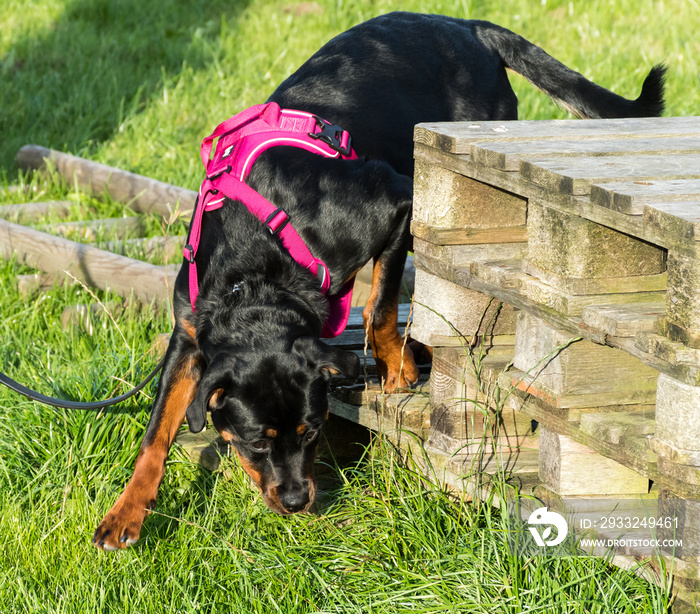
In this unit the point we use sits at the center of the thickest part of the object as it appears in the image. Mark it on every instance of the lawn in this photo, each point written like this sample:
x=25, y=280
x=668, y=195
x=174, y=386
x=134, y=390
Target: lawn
x=138, y=84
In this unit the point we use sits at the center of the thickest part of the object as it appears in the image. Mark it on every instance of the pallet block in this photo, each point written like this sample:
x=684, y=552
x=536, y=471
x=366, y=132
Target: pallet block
x=445, y=312
x=677, y=440
x=451, y=208
x=569, y=373
x=570, y=468
x=580, y=257
x=466, y=411
x=682, y=322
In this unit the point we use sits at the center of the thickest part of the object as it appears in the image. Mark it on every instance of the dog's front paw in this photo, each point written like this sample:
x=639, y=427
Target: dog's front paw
x=121, y=527
x=398, y=370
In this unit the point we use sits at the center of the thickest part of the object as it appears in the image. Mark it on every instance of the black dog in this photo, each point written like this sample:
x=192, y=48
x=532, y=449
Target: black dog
x=251, y=354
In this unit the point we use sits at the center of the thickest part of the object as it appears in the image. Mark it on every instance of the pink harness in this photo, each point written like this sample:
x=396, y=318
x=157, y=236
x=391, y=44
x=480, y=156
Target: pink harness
x=242, y=139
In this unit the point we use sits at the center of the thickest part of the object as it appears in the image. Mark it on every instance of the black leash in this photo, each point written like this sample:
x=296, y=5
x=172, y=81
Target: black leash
x=46, y=400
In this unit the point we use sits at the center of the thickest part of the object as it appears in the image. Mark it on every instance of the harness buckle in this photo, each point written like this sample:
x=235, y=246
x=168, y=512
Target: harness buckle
x=188, y=252
x=270, y=218
x=332, y=135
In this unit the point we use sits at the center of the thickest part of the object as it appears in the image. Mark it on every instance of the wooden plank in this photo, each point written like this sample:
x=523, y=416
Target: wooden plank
x=576, y=175
x=569, y=468
x=93, y=266
x=580, y=206
x=90, y=230
x=30, y=212
x=506, y=155
x=468, y=236
x=625, y=452
x=578, y=374
x=526, y=293
x=582, y=286
x=142, y=194
x=678, y=218
x=457, y=137
x=630, y=197
x=624, y=320
x=614, y=428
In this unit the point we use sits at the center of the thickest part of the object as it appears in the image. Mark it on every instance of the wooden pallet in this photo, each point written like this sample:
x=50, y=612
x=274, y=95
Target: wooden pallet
x=588, y=232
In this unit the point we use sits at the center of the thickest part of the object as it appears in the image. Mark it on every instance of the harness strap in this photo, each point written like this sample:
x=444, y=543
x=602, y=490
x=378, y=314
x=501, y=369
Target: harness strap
x=242, y=139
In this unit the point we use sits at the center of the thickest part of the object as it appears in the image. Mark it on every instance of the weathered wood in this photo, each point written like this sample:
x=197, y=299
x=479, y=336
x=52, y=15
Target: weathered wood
x=457, y=137
x=580, y=206
x=569, y=468
x=449, y=310
x=559, y=309
x=578, y=286
x=577, y=175
x=93, y=266
x=465, y=408
x=630, y=197
x=682, y=322
x=30, y=212
x=624, y=320
x=578, y=373
x=551, y=298
x=678, y=421
x=567, y=246
x=616, y=427
x=670, y=353
x=681, y=219
x=91, y=230
x=507, y=155
x=566, y=421
x=447, y=200
x=468, y=236
x=142, y=194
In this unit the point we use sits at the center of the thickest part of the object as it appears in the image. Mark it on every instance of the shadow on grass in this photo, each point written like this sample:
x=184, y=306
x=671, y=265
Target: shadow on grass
x=101, y=61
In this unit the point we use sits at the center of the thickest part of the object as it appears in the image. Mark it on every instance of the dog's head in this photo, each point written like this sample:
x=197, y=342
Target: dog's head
x=271, y=406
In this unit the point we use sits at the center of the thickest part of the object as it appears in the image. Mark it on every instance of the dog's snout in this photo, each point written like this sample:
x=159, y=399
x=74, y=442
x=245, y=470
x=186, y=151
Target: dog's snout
x=294, y=498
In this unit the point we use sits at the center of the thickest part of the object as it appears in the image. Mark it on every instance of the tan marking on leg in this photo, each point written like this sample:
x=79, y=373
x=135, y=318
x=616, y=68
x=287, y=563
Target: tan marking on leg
x=122, y=525
x=395, y=362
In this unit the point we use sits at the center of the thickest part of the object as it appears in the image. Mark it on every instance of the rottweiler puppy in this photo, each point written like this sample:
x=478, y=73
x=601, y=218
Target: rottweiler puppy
x=249, y=352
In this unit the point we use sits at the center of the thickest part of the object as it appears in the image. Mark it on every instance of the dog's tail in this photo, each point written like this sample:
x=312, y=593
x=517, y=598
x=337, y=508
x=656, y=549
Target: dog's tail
x=566, y=87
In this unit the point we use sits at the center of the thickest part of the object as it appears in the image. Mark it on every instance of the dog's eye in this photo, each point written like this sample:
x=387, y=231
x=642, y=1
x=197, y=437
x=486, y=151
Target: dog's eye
x=262, y=445
x=309, y=436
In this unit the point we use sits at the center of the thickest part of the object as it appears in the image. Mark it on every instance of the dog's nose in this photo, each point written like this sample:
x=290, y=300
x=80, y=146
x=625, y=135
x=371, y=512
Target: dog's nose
x=294, y=499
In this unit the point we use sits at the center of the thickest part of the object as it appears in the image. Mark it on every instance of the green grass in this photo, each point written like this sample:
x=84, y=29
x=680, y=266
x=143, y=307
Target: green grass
x=137, y=84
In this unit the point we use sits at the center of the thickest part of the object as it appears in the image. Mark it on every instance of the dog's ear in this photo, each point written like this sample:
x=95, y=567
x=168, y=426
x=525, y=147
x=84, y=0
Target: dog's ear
x=210, y=395
x=328, y=359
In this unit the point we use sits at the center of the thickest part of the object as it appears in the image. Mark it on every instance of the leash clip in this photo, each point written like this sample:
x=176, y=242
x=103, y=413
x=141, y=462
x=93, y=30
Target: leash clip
x=332, y=135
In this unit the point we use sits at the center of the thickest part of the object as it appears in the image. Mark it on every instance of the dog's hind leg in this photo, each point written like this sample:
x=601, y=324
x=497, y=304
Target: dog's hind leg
x=395, y=363
x=121, y=526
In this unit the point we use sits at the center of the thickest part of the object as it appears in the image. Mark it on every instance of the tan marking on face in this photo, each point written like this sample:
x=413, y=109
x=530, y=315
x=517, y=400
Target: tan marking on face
x=250, y=470
x=301, y=429
x=271, y=433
